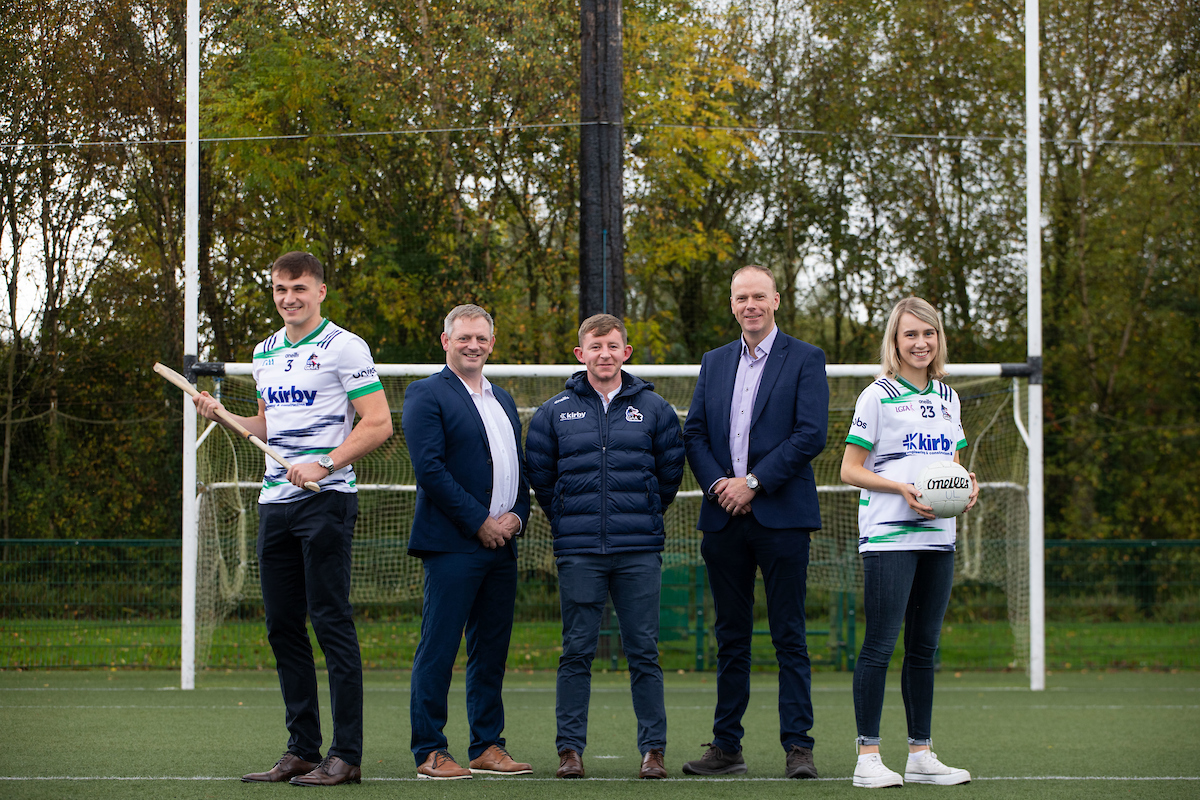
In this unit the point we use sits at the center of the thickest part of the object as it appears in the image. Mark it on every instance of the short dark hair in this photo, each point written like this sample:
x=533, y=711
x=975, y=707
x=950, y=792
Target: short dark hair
x=755, y=268
x=298, y=264
x=467, y=311
x=602, y=325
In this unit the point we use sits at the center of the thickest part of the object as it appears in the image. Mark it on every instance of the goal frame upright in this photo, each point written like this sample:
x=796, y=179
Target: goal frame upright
x=1031, y=369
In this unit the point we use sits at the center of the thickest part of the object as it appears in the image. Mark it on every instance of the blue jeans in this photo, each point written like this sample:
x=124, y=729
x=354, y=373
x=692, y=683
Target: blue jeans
x=584, y=584
x=913, y=587
x=476, y=592
x=304, y=568
x=734, y=555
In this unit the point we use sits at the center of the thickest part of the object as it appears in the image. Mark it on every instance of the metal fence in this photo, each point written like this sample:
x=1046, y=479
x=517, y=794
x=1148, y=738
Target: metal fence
x=115, y=603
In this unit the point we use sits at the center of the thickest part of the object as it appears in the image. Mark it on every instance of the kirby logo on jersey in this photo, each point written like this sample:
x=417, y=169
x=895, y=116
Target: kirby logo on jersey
x=283, y=396
x=567, y=416
x=312, y=362
x=633, y=415
x=920, y=443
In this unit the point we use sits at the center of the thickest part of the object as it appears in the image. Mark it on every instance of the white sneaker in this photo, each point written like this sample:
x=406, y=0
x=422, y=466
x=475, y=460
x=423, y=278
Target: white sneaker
x=870, y=773
x=928, y=769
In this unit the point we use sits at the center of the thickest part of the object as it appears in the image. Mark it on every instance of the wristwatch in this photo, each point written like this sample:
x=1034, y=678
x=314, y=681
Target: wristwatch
x=752, y=482
x=326, y=461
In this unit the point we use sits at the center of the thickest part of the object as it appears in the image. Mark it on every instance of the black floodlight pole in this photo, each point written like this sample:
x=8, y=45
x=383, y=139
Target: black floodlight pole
x=601, y=142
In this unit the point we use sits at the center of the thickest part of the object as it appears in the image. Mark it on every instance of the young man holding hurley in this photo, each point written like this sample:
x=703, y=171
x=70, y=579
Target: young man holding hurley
x=312, y=377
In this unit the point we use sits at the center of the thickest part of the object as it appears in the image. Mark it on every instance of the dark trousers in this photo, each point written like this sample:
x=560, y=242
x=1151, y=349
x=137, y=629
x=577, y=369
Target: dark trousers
x=733, y=556
x=304, y=566
x=584, y=584
x=913, y=587
x=475, y=591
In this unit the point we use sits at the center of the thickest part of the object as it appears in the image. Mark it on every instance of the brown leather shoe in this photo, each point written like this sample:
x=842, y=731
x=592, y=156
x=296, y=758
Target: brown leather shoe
x=332, y=772
x=288, y=766
x=441, y=766
x=570, y=765
x=496, y=761
x=652, y=764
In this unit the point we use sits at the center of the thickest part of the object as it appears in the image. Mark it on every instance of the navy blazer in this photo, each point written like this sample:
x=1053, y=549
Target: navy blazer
x=787, y=431
x=448, y=446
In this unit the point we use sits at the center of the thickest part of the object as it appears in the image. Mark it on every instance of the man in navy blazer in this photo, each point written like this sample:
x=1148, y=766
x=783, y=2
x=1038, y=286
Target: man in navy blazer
x=757, y=420
x=464, y=439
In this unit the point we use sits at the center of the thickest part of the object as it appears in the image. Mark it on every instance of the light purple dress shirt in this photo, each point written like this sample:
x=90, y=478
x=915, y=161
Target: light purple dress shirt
x=745, y=390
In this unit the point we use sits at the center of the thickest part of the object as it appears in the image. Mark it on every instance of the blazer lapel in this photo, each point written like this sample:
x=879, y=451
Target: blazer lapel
x=456, y=386
x=770, y=374
x=727, y=376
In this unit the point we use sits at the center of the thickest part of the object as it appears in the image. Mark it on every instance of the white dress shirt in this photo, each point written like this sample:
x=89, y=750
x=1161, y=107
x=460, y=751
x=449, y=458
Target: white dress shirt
x=502, y=443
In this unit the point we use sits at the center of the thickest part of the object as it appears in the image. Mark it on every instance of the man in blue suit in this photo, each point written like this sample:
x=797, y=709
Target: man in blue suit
x=757, y=420
x=464, y=439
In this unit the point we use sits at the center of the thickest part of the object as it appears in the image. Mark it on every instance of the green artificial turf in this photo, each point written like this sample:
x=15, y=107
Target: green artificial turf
x=133, y=724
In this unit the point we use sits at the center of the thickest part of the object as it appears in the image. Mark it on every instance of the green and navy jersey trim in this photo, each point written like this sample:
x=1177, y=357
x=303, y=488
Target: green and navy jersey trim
x=272, y=346
x=370, y=388
x=861, y=442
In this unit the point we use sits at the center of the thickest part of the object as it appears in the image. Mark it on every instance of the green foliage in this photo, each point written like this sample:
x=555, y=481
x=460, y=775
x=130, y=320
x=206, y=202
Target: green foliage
x=862, y=149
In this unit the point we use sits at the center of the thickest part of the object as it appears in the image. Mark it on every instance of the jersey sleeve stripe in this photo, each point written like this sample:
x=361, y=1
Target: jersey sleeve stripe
x=370, y=388
x=270, y=351
x=887, y=387
x=961, y=444
x=861, y=442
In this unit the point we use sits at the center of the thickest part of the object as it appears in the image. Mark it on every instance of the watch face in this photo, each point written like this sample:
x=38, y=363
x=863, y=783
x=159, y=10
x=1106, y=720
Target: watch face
x=326, y=461
x=752, y=482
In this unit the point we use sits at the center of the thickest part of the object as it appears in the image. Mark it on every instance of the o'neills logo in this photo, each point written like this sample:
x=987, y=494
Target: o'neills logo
x=948, y=483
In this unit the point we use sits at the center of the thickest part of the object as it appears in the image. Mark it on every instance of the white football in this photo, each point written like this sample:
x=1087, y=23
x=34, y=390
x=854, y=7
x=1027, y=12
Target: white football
x=945, y=486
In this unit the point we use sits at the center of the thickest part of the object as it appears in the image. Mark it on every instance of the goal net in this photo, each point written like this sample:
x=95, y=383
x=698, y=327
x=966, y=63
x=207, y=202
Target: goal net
x=992, y=540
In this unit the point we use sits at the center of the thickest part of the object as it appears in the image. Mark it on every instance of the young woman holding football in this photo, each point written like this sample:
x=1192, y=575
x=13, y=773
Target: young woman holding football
x=904, y=421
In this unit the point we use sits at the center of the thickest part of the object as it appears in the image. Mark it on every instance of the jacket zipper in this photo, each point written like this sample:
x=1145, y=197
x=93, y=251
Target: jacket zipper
x=603, y=472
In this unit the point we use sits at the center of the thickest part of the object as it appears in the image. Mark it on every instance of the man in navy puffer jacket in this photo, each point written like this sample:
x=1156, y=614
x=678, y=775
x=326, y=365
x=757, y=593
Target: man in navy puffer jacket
x=605, y=459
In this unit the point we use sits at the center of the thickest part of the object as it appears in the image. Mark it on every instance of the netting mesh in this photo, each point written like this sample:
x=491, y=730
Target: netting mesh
x=992, y=550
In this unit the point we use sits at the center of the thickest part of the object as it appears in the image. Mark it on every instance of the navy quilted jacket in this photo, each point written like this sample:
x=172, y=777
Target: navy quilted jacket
x=604, y=480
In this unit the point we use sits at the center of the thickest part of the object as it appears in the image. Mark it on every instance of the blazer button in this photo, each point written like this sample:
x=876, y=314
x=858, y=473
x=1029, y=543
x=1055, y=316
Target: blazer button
x=489, y=461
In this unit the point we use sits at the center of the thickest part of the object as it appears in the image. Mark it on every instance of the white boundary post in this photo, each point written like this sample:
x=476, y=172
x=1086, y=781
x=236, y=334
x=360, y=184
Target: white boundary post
x=1033, y=238
x=187, y=632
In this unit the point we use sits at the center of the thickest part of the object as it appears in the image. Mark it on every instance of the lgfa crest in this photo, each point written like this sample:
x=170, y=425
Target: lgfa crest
x=632, y=415
x=312, y=362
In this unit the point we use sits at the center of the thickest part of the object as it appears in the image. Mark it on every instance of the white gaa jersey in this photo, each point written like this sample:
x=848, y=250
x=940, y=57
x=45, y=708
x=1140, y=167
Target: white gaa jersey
x=307, y=388
x=904, y=429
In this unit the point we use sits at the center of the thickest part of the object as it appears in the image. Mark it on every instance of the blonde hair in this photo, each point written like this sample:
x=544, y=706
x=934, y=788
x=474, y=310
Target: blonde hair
x=889, y=356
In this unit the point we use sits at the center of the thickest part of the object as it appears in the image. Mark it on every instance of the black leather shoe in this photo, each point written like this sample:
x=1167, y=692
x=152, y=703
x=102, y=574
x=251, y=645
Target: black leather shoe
x=800, y=763
x=288, y=766
x=331, y=772
x=716, y=761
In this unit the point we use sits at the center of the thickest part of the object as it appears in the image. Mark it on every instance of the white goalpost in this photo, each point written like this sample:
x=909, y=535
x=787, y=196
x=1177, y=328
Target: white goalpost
x=1031, y=430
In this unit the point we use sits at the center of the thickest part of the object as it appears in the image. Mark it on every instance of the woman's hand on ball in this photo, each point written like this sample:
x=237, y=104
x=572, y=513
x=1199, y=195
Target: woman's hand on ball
x=911, y=493
x=974, y=493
